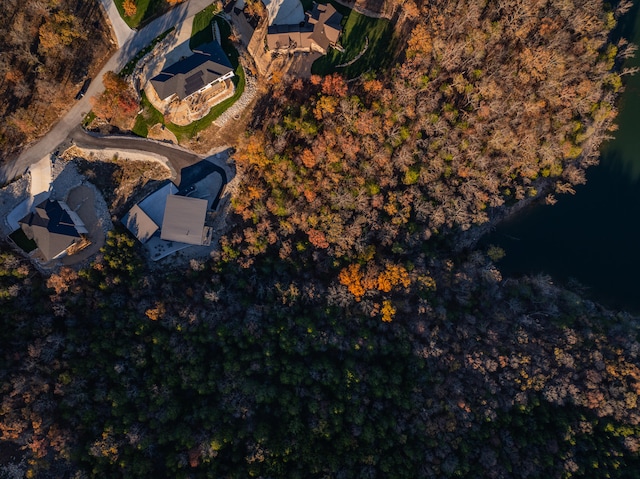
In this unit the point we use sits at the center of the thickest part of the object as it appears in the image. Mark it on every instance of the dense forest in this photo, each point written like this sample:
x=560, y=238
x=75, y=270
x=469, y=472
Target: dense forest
x=223, y=371
x=48, y=49
x=336, y=334
x=488, y=109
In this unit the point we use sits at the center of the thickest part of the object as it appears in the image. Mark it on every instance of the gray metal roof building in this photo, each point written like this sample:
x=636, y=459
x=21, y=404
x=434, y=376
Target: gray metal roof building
x=184, y=220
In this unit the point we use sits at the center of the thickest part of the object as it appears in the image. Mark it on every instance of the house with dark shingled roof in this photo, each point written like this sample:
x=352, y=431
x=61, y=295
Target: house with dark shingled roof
x=54, y=228
x=318, y=32
x=194, y=74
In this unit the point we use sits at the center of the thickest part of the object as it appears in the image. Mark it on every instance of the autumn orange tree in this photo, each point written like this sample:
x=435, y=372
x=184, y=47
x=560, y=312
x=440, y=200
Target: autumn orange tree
x=130, y=8
x=118, y=103
x=486, y=109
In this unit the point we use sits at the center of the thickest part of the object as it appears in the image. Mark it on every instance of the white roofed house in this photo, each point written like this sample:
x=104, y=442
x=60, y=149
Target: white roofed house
x=174, y=218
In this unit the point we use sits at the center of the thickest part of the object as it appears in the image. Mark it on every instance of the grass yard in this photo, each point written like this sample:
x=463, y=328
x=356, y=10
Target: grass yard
x=201, y=31
x=24, y=243
x=147, y=10
x=150, y=116
x=356, y=29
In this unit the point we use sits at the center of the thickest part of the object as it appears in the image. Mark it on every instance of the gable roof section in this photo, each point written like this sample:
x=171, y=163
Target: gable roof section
x=139, y=223
x=140, y=219
x=154, y=204
x=185, y=77
x=51, y=227
x=184, y=220
x=326, y=20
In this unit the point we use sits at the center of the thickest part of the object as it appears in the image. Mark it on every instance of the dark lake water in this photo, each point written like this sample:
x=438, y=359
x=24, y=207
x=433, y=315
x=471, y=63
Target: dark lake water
x=593, y=237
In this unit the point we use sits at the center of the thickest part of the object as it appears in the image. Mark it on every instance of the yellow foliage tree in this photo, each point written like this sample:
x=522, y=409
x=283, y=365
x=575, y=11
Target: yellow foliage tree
x=253, y=154
x=393, y=275
x=351, y=277
x=388, y=311
x=156, y=313
x=130, y=8
x=325, y=106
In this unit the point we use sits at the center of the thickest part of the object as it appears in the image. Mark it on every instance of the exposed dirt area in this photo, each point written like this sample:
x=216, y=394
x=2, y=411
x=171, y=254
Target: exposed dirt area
x=215, y=137
x=297, y=65
x=158, y=132
x=123, y=182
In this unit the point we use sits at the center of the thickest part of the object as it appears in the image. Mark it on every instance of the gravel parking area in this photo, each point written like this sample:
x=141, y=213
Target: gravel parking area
x=87, y=201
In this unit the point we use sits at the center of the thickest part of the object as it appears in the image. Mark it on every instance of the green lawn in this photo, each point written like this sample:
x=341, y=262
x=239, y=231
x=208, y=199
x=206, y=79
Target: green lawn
x=150, y=116
x=147, y=10
x=356, y=28
x=201, y=32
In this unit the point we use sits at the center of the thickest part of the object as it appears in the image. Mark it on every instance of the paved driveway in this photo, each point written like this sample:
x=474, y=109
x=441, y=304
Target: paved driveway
x=121, y=30
x=178, y=157
x=134, y=43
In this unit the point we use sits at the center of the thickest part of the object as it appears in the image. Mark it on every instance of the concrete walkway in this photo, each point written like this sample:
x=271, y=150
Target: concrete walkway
x=183, y=13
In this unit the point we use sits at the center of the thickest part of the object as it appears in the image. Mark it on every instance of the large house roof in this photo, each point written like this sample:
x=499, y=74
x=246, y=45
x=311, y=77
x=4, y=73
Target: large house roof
x=184, y=220
x=322, y=28
x=52, y=228
x=144, y=219
x=185, y=77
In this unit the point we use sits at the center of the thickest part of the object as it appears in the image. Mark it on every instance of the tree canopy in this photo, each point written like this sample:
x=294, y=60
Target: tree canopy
x=341, y=331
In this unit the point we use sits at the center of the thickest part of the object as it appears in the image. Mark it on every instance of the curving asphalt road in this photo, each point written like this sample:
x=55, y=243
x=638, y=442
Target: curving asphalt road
x=134, y=41
x=178, y=158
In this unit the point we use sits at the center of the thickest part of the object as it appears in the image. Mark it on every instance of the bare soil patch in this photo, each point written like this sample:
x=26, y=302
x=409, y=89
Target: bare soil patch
x=123, y=182
x=216, y=137
x=82, y=200
x=158, y=132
